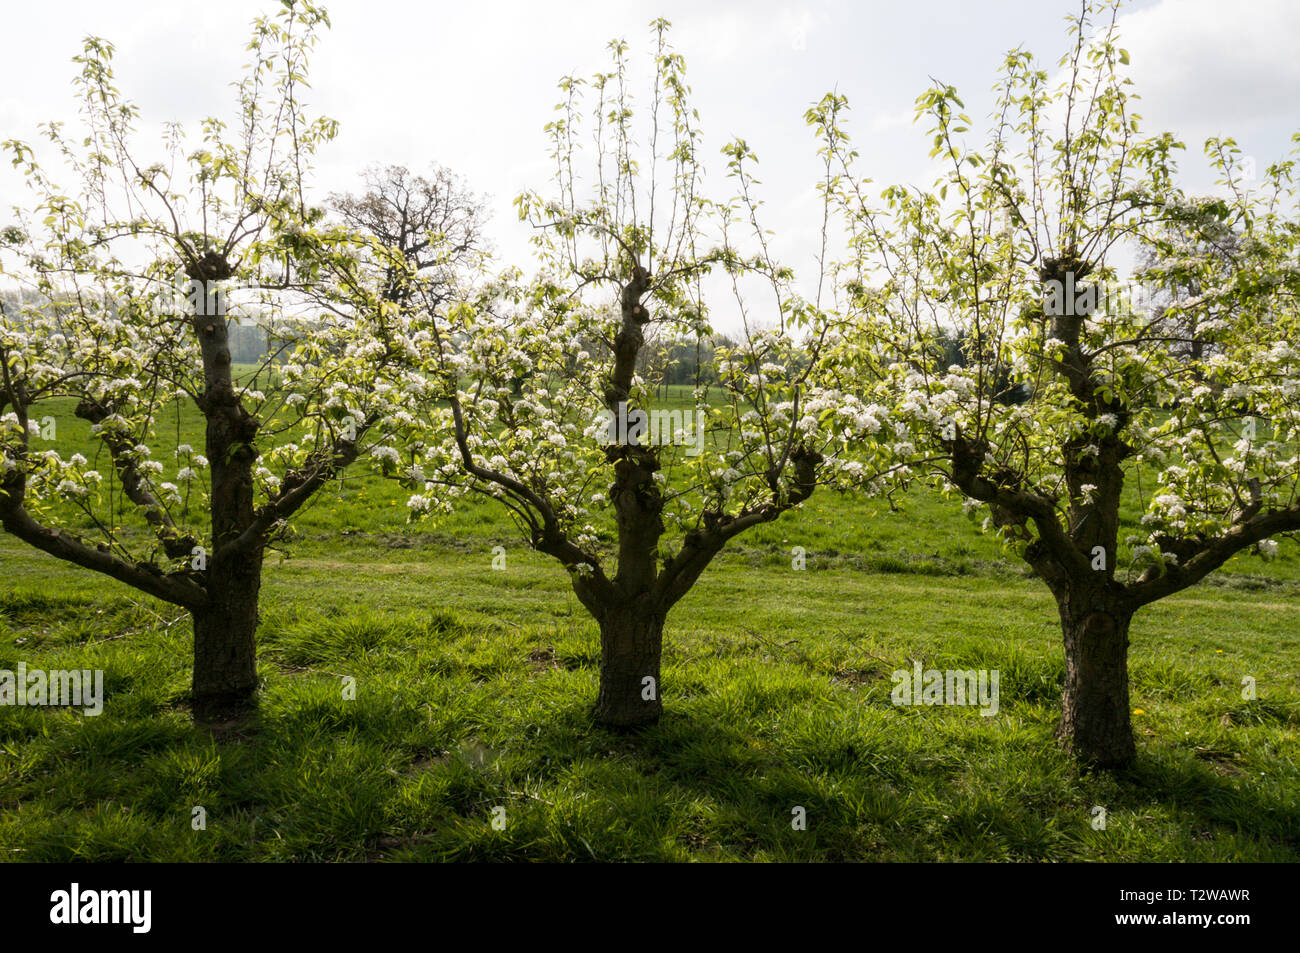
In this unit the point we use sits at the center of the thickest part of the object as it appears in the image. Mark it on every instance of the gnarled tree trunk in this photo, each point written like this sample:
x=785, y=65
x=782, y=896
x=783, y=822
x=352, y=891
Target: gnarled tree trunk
x=631, y=643
x=1095, y=722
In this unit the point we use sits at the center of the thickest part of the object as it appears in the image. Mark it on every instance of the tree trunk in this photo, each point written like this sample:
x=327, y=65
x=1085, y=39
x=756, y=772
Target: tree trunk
x=225, y=645
x=631, y=643
x=1095, y=722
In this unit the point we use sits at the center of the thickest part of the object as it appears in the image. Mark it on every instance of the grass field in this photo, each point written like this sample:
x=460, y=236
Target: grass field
x=473, y=690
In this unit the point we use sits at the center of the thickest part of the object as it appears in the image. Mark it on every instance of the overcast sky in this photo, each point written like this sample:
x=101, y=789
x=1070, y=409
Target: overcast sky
x=471, y=84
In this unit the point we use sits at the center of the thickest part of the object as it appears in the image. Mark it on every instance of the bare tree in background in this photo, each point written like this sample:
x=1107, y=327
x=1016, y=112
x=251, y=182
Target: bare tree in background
x=1173, y=264
x=434, y=223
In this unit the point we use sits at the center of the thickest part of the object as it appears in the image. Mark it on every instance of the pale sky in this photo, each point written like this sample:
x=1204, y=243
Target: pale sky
x=470, y=85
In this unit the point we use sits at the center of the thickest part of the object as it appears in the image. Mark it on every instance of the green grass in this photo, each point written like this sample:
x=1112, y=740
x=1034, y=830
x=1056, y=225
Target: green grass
x=474, y=688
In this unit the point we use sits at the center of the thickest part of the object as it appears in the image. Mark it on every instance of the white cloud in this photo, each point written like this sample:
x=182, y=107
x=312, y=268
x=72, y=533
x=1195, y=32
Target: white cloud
x=1206, y=67
x=471, y=85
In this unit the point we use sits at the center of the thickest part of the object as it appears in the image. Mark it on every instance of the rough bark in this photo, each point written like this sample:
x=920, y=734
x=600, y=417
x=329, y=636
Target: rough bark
x=1095, y=723
x=631, y=644
x=225, y=645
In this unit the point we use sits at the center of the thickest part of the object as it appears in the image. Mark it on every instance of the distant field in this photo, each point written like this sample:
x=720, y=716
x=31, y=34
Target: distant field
x=473, y=690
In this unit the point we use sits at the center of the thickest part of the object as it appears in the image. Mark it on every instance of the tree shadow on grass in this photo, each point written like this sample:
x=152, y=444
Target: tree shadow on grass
x=1217, y=802
x=379, y=779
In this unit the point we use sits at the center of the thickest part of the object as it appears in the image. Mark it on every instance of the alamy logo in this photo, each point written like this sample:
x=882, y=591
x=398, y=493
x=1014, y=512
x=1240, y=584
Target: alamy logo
x=72, y=688
x=1082, y=299
x=75, y=906
x=658, y=427
x=951, y=687
x=194, y=297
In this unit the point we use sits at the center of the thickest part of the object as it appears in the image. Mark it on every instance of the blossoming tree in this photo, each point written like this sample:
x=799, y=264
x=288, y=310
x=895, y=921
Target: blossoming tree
x=1015, y=247
x=550, y=417
x=132, y=283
